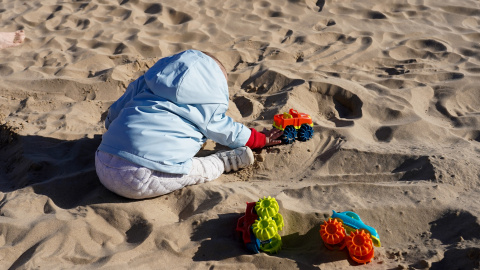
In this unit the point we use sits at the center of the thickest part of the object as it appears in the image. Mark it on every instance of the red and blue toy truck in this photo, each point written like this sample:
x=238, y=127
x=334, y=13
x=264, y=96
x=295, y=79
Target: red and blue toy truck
x=260, y=225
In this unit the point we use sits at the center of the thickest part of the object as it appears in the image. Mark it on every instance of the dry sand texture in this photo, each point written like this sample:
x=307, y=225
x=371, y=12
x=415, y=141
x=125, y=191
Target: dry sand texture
x=392, y=87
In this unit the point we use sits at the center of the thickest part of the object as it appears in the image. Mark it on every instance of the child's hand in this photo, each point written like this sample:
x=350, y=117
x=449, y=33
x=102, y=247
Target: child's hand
x=271, y=136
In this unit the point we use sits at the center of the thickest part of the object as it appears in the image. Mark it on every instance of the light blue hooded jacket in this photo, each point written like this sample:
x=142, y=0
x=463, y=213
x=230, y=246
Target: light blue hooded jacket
x=165, y=116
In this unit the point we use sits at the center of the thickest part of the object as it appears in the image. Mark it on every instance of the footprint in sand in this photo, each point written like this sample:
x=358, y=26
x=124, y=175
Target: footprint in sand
x=11, y=39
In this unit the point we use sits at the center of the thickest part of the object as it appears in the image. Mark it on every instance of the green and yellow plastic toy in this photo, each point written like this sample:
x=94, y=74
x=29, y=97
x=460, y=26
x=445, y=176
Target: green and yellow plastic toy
x=260, y=226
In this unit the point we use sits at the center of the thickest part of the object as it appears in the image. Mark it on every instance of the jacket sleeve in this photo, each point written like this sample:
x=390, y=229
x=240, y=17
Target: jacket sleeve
x=256, y=140
x=118, y=105
x=223, y=130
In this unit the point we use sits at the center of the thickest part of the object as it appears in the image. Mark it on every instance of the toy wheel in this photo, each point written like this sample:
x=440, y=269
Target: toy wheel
x=267, y=207
x=289, y=135
x=360, y=246
x=332, y=232
x=273, y=246
x=305, y=132
x=264, y=228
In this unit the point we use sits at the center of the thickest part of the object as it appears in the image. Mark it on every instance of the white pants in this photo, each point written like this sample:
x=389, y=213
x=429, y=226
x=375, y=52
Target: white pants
x=136, y=182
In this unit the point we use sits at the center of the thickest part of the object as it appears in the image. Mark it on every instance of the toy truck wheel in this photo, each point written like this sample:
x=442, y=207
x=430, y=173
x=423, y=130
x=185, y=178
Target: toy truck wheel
x=289, y=135
x=360, y=246
x=305, y=133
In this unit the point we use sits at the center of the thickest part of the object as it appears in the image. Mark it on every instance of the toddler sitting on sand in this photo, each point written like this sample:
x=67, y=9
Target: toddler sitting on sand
x=155, y=129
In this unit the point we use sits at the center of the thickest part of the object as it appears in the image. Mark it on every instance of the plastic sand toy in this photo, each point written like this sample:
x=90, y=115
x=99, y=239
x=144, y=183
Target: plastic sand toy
x=351, y=221
x=295, y=125
x=346, y=229
x=260, y=225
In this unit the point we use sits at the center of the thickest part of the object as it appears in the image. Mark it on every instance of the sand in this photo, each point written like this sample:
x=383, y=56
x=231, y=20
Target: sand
x=392, y=88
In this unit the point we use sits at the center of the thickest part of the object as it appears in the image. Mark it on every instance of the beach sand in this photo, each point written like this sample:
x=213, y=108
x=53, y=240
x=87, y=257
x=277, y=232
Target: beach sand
x=392, y=88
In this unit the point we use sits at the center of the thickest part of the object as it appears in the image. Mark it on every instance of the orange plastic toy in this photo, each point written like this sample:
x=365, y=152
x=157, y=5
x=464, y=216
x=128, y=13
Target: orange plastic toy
x=360, y=246
x=294, y=125
x=358, y=243
x=293, y=118
x=332, y=233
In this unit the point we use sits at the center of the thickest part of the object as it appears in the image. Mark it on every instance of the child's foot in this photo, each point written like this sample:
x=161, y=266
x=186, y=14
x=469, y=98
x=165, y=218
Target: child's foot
x=237, y=158
x=11, y=39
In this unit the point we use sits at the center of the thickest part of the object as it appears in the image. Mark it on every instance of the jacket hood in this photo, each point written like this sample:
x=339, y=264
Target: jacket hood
x=189, y=77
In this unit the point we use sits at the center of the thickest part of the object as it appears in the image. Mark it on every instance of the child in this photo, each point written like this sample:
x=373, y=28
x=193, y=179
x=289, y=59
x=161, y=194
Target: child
x=160, y=123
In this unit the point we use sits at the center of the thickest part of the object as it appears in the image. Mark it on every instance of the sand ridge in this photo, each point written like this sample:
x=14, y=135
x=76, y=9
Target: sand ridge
x=392, y=88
